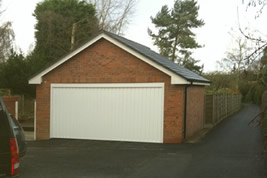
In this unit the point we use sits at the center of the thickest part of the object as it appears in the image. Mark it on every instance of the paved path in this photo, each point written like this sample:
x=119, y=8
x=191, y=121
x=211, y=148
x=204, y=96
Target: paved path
x=232, y=149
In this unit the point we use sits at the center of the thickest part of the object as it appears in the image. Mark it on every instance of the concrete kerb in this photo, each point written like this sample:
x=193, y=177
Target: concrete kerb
x=198, y=136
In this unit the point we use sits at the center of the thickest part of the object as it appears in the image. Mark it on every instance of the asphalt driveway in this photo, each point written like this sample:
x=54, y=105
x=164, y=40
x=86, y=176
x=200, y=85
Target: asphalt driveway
x=232, y=149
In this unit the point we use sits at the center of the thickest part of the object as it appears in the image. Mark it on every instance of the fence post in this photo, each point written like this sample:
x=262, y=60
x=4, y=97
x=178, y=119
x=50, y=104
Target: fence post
x=214, y=109
x=17, y=110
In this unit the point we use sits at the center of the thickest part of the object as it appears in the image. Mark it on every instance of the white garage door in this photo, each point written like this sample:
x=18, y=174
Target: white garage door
x=123, y=112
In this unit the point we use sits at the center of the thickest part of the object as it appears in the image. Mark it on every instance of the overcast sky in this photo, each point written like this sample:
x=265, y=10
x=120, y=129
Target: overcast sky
x=219, y=17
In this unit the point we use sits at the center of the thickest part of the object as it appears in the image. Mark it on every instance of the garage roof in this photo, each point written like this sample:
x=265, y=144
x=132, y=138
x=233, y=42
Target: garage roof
x=179, y=74
x=183, y=72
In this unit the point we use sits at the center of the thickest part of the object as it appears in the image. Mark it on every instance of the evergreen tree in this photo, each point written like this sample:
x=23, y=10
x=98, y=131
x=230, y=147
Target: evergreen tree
x=14, y=74
x=61, y=26
x=175, y=38
x=190, y=63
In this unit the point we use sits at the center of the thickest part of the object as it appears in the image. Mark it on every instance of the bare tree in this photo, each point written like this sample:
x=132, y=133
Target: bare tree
x=256, y=37
x=236, y=59
x=114, y=15
x=256, y=3
x=6, y=39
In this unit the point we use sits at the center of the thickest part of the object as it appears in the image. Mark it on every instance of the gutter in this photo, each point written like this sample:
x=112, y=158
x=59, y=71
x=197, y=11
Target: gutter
x=185, y=107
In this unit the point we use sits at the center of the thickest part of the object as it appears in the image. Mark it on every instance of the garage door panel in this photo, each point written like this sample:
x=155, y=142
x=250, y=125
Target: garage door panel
x=108, y=112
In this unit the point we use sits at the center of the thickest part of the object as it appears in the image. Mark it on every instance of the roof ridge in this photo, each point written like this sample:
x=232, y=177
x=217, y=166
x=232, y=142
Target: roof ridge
x=126, y=39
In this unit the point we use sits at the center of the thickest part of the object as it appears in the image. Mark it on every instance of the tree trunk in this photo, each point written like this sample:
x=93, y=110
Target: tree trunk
x=74, y=25
x=174, y=49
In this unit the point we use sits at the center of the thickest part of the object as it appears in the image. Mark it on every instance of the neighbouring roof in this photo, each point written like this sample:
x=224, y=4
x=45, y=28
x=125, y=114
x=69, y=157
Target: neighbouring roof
x=179, y=74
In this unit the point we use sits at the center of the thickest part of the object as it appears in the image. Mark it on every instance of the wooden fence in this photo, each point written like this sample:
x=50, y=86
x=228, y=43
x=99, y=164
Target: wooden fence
x=220, y=106
x=23, y=110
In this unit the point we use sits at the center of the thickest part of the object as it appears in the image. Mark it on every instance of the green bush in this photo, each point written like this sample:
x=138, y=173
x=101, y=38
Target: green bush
x=255, y=93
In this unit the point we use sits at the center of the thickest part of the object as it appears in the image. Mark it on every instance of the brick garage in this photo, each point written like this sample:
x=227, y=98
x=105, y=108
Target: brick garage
x=108, y=63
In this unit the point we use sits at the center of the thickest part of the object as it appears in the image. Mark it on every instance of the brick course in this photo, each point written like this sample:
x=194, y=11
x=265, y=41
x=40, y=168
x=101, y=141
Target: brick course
x=104, y=62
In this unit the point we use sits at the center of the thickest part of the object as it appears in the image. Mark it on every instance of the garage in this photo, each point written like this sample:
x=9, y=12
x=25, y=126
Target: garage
x=121, y=112
x=112, y=88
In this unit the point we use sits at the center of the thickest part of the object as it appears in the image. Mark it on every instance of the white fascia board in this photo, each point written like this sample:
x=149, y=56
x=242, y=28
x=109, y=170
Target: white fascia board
x=175, y=79
x=38, y=78
x=35, y=80
x=200, y=83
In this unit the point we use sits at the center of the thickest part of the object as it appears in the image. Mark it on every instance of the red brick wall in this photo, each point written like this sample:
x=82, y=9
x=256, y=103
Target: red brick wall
x=104, y=62
x=10, y=104
x=195, y=110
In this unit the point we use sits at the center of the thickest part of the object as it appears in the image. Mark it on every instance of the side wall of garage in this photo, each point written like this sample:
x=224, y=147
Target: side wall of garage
x=104, y=62
x=195, y=110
